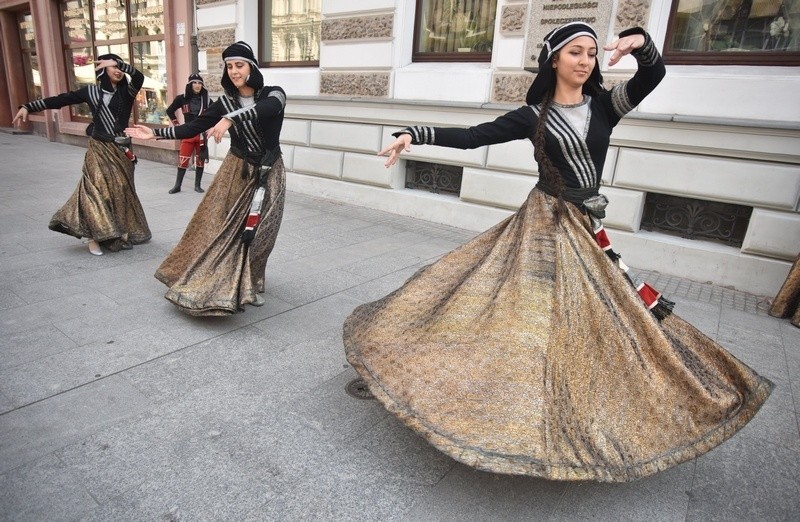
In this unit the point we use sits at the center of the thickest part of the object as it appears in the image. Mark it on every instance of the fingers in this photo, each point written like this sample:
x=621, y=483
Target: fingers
x=22, y=116
x=142, y=132
x=623, y=46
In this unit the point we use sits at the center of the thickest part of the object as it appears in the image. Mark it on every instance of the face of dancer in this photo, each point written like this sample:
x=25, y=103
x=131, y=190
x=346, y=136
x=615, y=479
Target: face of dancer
x=197, y=87
x=575, y=61
x=114, y=74
x=238, y=71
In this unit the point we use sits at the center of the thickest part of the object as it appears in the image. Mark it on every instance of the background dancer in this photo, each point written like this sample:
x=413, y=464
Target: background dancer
x=104, y=207
x=191, y=104
x=218, y=265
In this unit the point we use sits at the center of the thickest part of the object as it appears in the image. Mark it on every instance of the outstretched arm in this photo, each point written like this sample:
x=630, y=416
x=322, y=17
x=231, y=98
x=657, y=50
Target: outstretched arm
x=202, y=123
x=511, y=126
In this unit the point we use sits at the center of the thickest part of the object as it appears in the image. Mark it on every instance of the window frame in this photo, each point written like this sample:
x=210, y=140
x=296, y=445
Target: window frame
x=713, y=58
x=92, y=43
x=421, y=57
x=263, y=34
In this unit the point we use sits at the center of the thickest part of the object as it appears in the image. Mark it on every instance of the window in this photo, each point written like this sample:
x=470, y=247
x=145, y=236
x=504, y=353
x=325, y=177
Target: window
x=696, y=219
x=454, y=30
x=29, y=59
x=127, y=29
x=289, y=32
x=434, y=177
x=735, y=32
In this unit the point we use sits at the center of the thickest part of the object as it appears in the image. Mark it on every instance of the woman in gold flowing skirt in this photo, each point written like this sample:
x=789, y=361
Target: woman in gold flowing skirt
x=211, y=271
x=527, y=350
x=219, y=264
x=104, y=207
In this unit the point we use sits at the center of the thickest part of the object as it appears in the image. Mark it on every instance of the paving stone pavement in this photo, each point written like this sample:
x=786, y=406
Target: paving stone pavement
x=115, y=406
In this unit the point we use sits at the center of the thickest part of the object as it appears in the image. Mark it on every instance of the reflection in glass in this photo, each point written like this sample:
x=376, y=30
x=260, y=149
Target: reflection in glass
x=26, y=32
x=109, y=20
x=294, y=29
x=147, y=17
x=151, y=102
x=81, y=74
x=737, y=25
x=75, y=19
x=456, y=26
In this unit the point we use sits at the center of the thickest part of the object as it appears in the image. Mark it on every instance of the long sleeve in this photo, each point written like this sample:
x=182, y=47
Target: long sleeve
x=176, y=103
x=515, y=125
x=137, y=78
x=202, y=123
x=650, y=72
x=266, y=107
x=58, y=101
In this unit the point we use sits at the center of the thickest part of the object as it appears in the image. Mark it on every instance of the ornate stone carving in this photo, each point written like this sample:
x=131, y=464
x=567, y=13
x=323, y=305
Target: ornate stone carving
x=219, y=39
x=357, y=27
x=631, y=13
x=512, y=19
x=355, y=84
x=510, y=88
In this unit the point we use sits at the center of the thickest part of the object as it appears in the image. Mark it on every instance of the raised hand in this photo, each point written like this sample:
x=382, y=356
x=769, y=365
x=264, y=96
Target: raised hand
x=623, y=46
x=402, y=143
x=142, y=132
x=102, y=64
x=22, y=116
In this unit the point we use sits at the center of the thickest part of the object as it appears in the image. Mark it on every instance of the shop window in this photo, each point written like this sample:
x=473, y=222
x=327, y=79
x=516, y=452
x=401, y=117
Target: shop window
x=433, y=177
x=289, y=32
x=733, y=32
x=690, y=218
x=29, y=59
x=454, y=30
x=132, y=30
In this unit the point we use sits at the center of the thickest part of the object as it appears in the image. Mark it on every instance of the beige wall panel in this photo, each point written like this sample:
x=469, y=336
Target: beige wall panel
x=287, y=151
x=496, y=188
x=514, y=156
x=346, y=136
x=295, y=131
x=717, y=179
x=369, y=170
x=624, y=210
x=700, y=261
x=773, y=234
x=418, y=204
x=342, y=7
x=326, y=163
x=609, y=166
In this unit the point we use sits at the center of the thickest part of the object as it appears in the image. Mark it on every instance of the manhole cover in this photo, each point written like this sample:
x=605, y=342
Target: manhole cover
x=358, y=388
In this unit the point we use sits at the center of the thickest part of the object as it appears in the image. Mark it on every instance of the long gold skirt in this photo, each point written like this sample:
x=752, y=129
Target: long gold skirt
x=526, y=351
x=104, y=206
x=787, y=301
x=211, y=271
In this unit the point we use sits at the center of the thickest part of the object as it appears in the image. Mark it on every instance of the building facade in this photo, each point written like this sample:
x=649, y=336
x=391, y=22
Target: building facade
x=703, y=177
x=48, y=47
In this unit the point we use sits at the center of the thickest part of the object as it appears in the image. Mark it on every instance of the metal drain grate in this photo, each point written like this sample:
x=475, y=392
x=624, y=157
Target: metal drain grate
x=358, y=388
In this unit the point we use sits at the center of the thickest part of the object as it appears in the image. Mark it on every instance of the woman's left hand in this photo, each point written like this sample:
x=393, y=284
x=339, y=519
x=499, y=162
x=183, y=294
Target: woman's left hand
x=219, y=129
x=623, y=46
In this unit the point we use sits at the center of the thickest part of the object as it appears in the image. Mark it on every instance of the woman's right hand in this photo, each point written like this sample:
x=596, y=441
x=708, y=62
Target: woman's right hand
x=143, y=132
x=402, y=143
x=22, y=116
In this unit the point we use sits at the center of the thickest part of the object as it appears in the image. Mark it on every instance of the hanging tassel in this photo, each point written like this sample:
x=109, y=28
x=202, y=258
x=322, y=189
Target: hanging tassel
x=254, y=217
